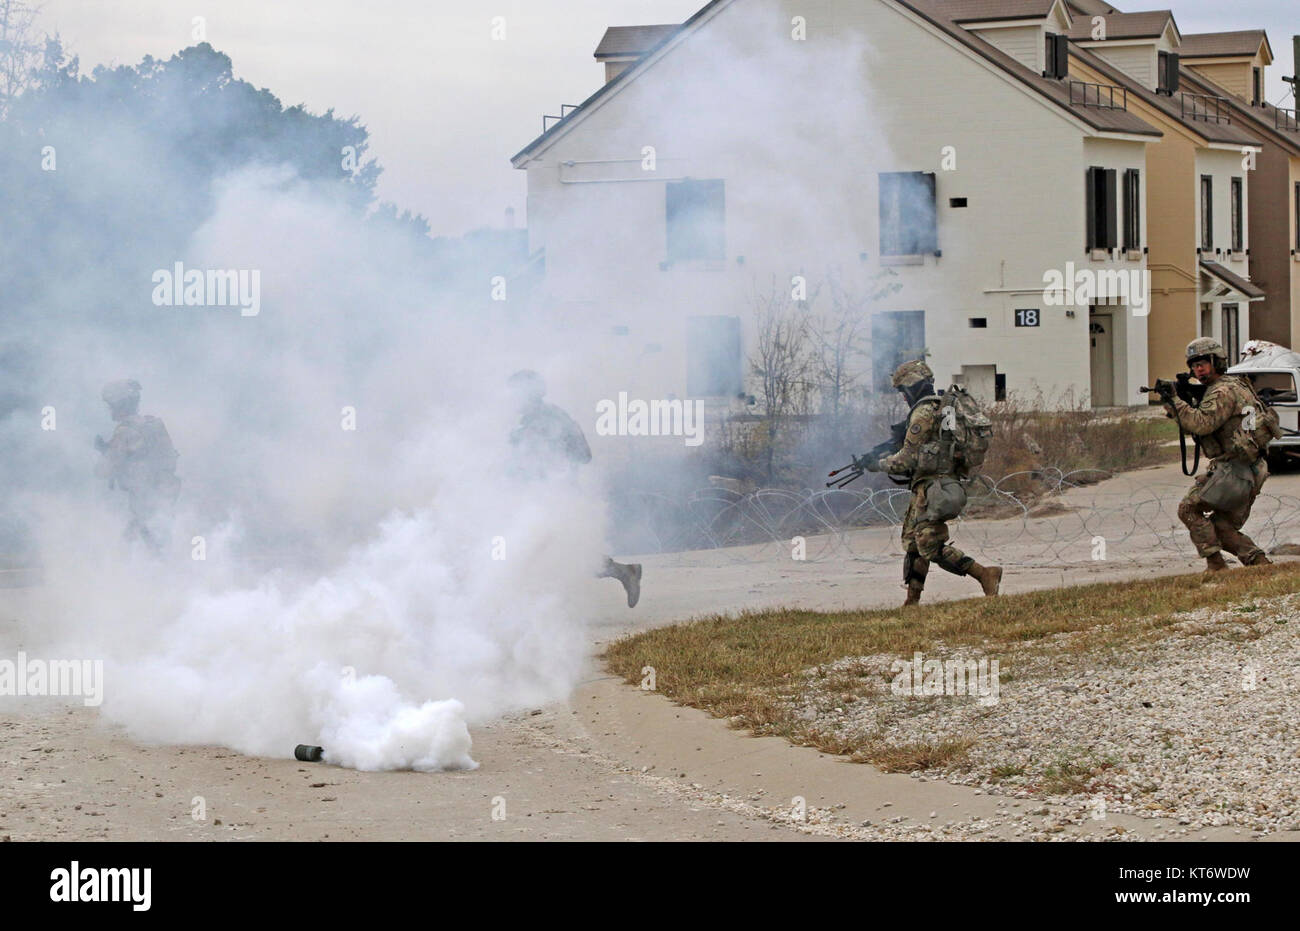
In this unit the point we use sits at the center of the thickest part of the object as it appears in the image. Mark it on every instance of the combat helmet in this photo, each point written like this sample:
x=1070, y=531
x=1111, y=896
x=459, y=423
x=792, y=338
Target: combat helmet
x=1206, y=347
x=117, y=393
x=911, y=373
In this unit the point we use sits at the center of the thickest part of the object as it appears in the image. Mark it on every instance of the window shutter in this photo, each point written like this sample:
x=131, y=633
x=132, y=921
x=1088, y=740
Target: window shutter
x=1173, y=72
x=1090, y=186
x=1062, y=55
x=1135, y=184
x=1108, y=205
x=888, y=213
x=929, y=238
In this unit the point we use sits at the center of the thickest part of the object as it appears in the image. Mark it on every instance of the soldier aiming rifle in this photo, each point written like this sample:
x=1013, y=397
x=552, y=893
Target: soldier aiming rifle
x=1234, y=427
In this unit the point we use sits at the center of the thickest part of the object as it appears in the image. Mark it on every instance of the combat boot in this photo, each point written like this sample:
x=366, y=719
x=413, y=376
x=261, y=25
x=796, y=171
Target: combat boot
x=989, y=577
x=1214, y=564
x=630, y=576
x=913, y=595
x=1260, y=560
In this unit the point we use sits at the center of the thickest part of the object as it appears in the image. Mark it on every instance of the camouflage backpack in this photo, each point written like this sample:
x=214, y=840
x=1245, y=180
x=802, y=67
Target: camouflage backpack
x=1255, y=433
x=964, y=424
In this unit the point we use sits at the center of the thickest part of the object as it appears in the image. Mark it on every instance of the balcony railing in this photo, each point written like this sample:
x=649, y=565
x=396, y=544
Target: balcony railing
x=1103, y=96
x=565, y=110
x=1204, y=107
x=1286, y=120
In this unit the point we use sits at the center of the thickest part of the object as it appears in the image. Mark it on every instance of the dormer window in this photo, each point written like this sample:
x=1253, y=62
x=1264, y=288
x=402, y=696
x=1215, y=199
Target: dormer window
x=1167, y=79
x=1057, y=56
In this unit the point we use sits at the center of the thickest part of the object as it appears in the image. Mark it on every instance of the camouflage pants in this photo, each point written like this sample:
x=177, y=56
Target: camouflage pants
x=1213, y=530
x=151, y=510
x=926, y=541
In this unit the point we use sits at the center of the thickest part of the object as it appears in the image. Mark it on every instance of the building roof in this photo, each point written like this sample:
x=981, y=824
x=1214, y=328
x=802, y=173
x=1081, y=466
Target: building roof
x=1244, y=43
x=1233, y=280
x=1055, y=89
x=977, y=11
x=1262, y=120
x=1170, y=106
x=1090, y=7
x=635, y=41
x=1147, y=25
x=935, y=12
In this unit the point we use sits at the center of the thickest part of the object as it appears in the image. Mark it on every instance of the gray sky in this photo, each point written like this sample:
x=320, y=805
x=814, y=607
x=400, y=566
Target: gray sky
x=445, y=104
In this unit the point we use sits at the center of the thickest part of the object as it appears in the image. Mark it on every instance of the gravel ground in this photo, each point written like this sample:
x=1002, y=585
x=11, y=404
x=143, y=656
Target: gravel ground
x=1197, y=722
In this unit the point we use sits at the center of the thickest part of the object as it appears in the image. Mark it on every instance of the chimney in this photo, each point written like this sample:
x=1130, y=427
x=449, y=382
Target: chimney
x=1294, y=79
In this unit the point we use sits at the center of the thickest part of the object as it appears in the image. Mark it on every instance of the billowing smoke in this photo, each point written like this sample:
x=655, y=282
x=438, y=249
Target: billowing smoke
x=372, y=575
x=356, y=558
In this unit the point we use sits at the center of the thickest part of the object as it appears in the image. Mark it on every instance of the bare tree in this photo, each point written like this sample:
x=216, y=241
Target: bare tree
x=22, y=49
x=841, y=338
x=782, y=361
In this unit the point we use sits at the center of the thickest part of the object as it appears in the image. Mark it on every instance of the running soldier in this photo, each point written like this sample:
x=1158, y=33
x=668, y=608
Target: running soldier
x=139, y=459
x=938, y=496
x=550, y=441
x=1233, y=427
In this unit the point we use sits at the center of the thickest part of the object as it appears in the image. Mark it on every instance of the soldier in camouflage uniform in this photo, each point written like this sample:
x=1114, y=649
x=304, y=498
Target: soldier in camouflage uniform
x=1217, y=424
x=139, y=459
x=550, y=441
x=925, y=528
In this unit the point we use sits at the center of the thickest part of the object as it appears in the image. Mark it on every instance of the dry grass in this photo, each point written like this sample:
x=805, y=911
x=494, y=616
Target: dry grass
x=749, y=667
x=1029, y=438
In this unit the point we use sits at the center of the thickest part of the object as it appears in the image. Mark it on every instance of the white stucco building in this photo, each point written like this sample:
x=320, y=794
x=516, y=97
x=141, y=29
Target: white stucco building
x=944, y=145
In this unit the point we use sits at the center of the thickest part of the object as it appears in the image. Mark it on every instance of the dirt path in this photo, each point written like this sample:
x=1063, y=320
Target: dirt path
x=612, y=763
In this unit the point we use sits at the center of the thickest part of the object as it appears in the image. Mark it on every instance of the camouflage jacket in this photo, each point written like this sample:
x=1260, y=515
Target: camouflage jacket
x=139, y=456
x=548, y=439
x=1216, y=421
x=922, y=428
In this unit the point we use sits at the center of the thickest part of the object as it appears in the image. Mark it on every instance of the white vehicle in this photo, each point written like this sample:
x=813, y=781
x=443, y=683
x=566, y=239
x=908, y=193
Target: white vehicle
x=1275, y=372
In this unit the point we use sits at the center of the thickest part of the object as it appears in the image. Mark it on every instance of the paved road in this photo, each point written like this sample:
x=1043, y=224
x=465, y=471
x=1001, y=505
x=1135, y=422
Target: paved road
x=612, y=763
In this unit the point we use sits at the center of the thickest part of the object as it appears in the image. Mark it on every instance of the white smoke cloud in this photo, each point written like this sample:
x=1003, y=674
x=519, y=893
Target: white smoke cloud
x=381, y=651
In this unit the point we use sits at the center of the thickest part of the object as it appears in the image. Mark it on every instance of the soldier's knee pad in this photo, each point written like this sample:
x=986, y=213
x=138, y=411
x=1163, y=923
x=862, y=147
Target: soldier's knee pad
x=956, y=567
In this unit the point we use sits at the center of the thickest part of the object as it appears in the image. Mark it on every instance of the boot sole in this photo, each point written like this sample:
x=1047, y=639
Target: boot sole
x=634, y=586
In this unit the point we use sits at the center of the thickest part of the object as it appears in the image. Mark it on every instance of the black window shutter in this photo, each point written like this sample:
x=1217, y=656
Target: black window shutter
x=1173, y=72
x=1128, y=208
x=1090, y=187
x=1108, y=205
x=1135, y=184
x=929, y=220
x=888, y=218
x=1062, y=54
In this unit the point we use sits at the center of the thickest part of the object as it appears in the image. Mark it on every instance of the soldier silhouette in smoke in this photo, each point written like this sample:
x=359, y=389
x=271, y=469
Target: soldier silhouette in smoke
x=550, y=441
x=139, y=458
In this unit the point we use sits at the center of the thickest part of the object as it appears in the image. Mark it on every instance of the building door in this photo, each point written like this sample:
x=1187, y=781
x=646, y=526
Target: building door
x=897, y=336
x=1231, y=333
x=1101, y=360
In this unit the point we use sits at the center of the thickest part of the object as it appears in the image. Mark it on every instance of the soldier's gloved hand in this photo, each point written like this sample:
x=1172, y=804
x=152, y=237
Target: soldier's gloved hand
x=871, y=463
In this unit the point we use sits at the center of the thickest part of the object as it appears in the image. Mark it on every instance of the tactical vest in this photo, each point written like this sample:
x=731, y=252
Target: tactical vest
x=1233, y=440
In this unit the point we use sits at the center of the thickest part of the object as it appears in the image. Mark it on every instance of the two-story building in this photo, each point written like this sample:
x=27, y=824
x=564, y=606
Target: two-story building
x=1229, y=66
x=1197, y=185
x=946, y=144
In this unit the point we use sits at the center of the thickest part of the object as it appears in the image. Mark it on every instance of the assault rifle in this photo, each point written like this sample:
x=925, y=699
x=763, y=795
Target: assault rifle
x=863, y=463
x=1191, y=394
